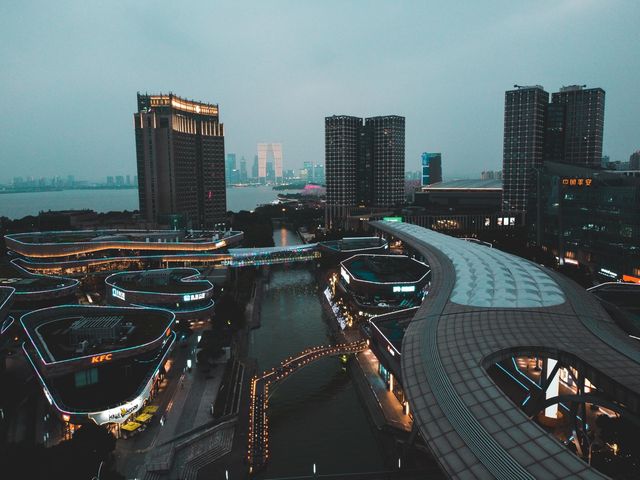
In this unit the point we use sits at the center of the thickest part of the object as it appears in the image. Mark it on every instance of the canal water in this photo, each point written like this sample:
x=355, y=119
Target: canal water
x=315, y=416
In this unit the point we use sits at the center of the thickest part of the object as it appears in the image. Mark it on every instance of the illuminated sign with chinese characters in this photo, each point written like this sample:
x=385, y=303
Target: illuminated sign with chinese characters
x=608, y=273
x=118, y=293
x=577, y=182
x=194, y=296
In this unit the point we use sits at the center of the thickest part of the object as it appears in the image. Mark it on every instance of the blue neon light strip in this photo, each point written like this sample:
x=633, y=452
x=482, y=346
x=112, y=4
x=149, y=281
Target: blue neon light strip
x=55, y=404
x=514, y=378
x=173, y=318
x=73, y=285
x=6, y=324
x=185, y=279
x=515, y=365
x=12, y=291
x=178, y=312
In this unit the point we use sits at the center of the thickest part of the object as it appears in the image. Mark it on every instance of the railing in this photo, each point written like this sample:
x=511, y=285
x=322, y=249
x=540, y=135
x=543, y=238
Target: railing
x=258, y=448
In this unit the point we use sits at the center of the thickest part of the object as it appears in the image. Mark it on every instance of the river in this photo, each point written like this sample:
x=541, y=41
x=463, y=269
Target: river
x=315, y=416
x=18, y=205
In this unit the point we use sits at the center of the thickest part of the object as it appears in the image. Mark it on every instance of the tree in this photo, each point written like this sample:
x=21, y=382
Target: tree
x=228, y=314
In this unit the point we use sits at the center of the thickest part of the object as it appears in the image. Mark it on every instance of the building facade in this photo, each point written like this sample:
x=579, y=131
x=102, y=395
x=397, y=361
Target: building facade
x=524, y=130
x=589, y=217
x=575, y=126
x=567, y=130
x=270, y=162
x=181, y=161
x=634, y=161
x=364, y=164
x=431, y=168
x=231, y=174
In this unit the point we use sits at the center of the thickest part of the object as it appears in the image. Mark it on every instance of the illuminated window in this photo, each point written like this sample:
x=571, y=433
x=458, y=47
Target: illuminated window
x=86, y=377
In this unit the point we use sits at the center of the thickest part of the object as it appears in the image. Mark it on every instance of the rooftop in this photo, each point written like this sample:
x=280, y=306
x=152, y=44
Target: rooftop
x=385, y=268
x=151, y=236
x=487, y=277
x=354, y=243
x=51, y=329
x=25, y=282
x=394, y=325
x=471, y=426
x=170, y=280
x=473, y=184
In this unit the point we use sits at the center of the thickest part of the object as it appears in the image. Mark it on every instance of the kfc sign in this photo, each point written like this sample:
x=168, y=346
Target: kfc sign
x=101, y=358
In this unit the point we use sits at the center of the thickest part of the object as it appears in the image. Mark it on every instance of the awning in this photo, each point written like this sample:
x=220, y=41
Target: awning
x=130, y=426
x=150, y=409
x=144, y=417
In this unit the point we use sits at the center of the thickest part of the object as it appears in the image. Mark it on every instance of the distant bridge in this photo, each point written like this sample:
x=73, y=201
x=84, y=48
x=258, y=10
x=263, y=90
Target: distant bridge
x=258, y=449
x=245, y=257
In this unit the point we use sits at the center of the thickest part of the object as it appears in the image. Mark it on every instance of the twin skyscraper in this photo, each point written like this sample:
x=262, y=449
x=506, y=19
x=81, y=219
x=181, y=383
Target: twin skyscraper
x=364, y=165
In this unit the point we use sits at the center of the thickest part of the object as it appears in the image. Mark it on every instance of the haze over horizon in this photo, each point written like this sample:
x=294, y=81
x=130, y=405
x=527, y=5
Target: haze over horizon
x=71, y=71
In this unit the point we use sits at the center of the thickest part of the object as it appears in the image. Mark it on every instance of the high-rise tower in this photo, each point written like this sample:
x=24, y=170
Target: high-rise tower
x=270, y=153
x=524, y=134
x=431, y=168
x=575, y=126
x=364, y=164
x=181, y=162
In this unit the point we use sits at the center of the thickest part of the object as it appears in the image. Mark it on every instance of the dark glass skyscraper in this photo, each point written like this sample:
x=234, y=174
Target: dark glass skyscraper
x=364, y=163
x=181, y=162
x=431, y=168
x=524, y=133
x=567, y=130
x=576, y=125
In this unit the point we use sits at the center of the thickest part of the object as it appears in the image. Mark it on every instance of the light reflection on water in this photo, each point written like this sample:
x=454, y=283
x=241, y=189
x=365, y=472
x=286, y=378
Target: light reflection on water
x=315, y=415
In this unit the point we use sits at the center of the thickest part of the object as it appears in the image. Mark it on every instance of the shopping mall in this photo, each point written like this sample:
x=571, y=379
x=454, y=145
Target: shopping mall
x=81, y=252
x=511, y=370
x=376, y=283
x=34, y=290
x=179, y=290
x=99, y=364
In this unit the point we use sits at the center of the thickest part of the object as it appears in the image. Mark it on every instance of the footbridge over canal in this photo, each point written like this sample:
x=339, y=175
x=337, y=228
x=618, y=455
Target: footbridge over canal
x=258, y=448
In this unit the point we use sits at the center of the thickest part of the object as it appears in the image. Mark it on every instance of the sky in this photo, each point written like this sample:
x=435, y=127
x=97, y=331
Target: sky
x=70, y=70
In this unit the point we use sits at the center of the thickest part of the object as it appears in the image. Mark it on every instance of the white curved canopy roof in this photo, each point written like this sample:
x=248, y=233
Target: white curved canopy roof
x=487, y=277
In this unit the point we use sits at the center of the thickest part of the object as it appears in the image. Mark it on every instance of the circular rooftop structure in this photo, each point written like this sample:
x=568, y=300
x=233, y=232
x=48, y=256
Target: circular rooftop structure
x=385, y=269
x=179, y=290
x=97, y=363
x=385, y=281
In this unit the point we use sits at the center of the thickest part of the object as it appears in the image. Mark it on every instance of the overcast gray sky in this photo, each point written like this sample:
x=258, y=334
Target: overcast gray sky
x=70, y=72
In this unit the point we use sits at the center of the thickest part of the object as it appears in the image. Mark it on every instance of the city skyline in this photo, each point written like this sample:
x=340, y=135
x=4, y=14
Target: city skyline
x=472, y=42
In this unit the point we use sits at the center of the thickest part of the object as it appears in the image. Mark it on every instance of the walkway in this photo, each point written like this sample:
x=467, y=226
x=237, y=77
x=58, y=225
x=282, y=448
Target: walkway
x=185, y=405
x=258, y=448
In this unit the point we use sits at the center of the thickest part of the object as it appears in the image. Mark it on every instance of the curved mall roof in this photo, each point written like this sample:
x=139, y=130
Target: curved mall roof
x=485, y=305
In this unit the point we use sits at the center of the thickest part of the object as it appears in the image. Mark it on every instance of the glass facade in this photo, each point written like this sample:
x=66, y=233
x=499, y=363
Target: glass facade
x=589, y=217
x=431, y=168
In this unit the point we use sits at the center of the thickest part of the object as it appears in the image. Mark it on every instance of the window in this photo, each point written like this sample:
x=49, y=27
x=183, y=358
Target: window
x=86, y=377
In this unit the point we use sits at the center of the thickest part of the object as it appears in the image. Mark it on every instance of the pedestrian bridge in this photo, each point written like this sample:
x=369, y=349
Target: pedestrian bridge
x=244, y=257
x=258, y=448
